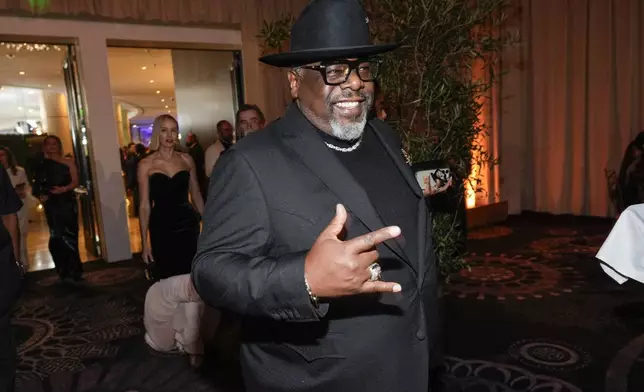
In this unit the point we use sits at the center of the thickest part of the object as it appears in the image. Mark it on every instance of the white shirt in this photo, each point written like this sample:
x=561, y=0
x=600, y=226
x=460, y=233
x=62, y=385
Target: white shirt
x=19, y=178
x=212, y=154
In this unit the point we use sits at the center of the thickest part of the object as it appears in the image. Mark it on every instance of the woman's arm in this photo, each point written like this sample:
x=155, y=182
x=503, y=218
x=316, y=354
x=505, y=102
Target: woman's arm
x=195, y=192
x=144, y=203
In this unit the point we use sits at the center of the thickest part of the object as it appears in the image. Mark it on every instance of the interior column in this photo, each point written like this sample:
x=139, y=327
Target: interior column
x=55, y=118
x=104, y=149
x=203, y=91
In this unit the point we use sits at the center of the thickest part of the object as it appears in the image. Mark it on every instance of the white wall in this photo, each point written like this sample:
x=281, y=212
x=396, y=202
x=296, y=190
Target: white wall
x=203, y=91
x=91, y=38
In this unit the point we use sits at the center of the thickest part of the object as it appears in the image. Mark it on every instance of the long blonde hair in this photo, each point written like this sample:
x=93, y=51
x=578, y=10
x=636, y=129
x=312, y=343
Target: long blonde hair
x=156, y=129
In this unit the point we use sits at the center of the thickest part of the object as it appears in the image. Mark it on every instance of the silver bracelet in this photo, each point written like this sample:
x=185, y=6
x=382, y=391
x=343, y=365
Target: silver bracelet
x=313, y=298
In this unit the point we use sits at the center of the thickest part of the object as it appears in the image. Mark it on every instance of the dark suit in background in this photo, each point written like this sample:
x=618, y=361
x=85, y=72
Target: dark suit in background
x=270, y=197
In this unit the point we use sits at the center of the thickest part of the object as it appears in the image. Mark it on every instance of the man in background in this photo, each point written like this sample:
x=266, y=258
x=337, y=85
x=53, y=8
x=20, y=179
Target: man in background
x=198, y=156
x=225, y=136
x=10, y=278
x=249, y=119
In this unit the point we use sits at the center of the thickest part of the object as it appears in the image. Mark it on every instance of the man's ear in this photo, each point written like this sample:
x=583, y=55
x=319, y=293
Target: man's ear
x=294, y=80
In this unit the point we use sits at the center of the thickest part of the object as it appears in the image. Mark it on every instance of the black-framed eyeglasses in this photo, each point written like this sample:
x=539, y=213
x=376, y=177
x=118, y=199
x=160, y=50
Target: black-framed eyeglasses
x=337, y=72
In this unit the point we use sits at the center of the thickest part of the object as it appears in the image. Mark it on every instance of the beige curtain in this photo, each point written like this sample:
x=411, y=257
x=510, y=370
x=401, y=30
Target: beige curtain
x=570, y=103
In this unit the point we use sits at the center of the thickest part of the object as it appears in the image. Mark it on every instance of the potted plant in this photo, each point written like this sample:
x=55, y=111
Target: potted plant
x=275, y=35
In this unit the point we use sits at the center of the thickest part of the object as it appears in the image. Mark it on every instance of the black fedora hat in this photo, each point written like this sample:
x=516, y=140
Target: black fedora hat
x=329, y=30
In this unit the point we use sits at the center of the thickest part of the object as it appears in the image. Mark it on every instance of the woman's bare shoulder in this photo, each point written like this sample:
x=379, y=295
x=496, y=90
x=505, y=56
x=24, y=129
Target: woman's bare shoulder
x=147, y=162
x=186, y=158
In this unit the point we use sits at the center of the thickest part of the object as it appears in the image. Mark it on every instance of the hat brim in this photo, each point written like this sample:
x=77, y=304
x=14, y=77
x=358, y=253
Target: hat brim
x=308, y=56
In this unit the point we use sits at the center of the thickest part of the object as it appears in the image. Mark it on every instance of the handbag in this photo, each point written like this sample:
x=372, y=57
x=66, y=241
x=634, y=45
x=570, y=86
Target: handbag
x=151, y=272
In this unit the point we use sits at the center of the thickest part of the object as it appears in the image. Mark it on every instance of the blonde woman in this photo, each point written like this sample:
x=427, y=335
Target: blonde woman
x=21, y=184
x=167, y=181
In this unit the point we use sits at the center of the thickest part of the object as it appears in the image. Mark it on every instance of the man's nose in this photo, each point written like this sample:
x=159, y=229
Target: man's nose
x=353, y=81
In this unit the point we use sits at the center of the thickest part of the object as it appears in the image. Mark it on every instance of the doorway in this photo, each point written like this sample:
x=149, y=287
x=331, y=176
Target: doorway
x=41, y=95
x=197, y=87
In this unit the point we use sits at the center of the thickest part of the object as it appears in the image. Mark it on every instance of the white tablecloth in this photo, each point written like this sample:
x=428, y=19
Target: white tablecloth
x=623, y=251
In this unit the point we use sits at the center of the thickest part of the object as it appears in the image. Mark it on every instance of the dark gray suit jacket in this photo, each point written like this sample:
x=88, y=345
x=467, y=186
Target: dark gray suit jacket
x=270, y=196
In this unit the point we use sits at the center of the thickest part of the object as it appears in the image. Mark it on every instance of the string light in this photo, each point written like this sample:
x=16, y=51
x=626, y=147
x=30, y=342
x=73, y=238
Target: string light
x=30, y=47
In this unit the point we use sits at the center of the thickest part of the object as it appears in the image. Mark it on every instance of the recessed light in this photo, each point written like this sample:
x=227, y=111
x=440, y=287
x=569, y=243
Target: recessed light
x=166, y=106
x=21, y=72
x=163, y=100
x=151, y=81
x=169, y=111
x=158, y=91
x=19, y=107
x=30, y=92
x=144, y=67
x=31, y=110
x=49, y=85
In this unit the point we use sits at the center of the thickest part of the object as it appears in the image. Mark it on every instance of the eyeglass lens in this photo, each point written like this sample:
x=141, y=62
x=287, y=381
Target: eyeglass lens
x=339, y=73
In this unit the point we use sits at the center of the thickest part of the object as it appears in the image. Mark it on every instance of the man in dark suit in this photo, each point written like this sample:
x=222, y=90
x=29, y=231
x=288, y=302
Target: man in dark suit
x=316, y=231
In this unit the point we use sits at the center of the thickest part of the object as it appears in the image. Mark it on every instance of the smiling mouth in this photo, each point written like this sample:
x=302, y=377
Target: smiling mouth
x=348, y=104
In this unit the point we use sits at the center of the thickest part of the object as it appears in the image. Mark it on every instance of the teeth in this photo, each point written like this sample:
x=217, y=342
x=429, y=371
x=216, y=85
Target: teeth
x=347, y=104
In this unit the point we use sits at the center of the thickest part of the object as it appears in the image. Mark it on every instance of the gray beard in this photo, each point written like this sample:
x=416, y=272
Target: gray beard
x=349, y=131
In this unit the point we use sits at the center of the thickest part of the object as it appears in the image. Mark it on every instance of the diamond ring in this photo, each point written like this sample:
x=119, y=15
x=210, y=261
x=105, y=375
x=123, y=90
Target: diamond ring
x=375, y=271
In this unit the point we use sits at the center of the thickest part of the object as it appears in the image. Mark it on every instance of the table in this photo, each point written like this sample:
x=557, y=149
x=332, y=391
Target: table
x=622, y=254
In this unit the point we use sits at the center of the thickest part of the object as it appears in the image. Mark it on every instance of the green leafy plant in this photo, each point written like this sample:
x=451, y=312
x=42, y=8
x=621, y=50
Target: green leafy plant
x=38, y=5
x=276, y=34
x=435, y=91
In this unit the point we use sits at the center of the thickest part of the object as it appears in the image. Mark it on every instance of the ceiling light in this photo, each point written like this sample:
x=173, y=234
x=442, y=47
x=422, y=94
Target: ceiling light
x=49, y=85
x=163, y=100
x=166, y=106
x=31, y=110
x=169, y=111
x=19, y=107
x=144, y=67
x=30, y=92
x=151, y=81
x=21, y=72
x=158, y=91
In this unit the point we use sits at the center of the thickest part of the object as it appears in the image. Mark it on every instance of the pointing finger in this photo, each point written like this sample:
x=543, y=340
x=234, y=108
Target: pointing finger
x=368, y=241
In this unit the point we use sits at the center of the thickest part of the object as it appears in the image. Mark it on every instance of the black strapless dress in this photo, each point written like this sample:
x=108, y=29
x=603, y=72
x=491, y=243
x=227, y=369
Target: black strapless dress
x=61, y=211
x=174, y=224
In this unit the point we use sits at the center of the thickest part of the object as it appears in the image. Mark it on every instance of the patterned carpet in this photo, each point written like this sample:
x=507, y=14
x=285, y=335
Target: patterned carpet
x=533, y=313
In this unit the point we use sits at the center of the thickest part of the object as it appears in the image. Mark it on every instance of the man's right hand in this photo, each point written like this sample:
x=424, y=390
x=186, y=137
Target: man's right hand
x=336, y=268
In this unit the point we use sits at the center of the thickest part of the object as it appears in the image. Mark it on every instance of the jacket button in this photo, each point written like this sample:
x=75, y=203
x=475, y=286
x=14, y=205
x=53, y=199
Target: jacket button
x=420, y=334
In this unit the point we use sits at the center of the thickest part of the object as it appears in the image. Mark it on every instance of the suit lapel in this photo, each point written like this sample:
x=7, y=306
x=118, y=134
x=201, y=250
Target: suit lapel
x=302, y=137
x=397, y=157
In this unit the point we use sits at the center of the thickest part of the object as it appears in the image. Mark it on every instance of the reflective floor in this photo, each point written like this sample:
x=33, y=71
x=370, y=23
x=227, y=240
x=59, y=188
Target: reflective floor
x=38, y=238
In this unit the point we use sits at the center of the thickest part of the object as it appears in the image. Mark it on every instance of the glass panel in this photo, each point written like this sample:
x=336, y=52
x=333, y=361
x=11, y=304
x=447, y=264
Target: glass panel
x=78, y=127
